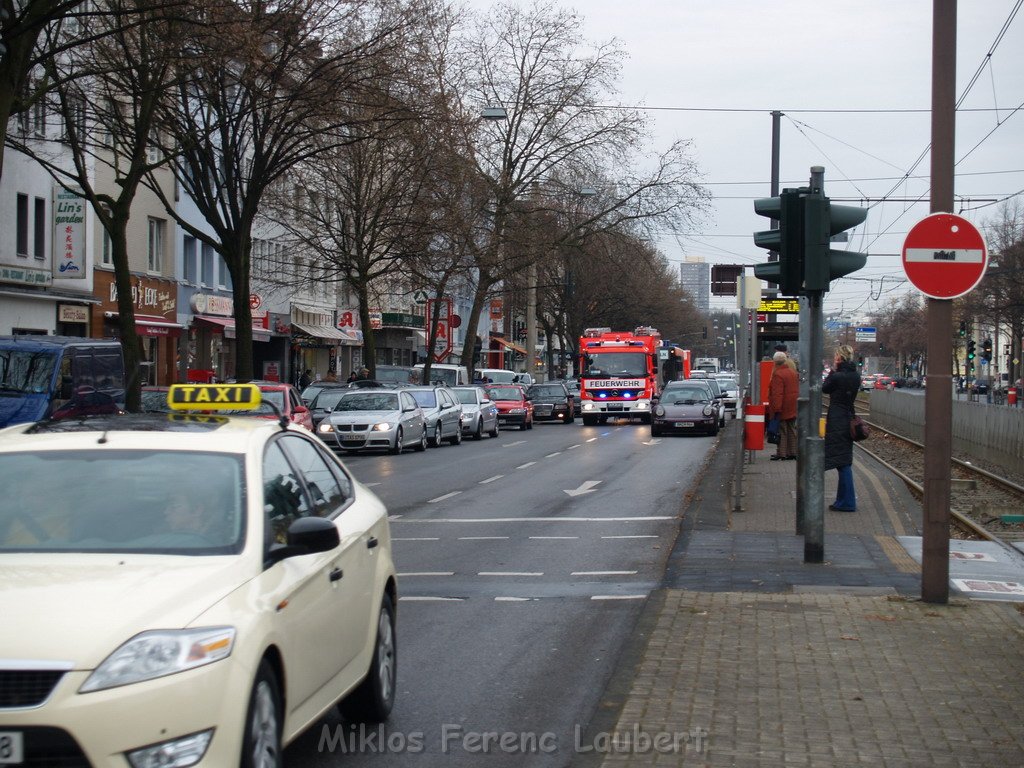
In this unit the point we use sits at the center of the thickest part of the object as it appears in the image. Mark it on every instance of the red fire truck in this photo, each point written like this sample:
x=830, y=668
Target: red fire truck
x=619, y=373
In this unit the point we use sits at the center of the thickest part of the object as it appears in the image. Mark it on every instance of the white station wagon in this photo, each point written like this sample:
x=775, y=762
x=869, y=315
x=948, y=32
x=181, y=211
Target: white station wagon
x=186, y=590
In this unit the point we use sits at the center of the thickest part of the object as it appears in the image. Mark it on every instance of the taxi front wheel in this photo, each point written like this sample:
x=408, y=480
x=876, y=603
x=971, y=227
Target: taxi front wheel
x=262, y=745
x=372, y=701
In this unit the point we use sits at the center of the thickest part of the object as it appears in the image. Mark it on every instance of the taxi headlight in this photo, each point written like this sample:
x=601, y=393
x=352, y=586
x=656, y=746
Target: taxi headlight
x=325, y=427
x=516, y=411
x=158, y=653
x=381, y=427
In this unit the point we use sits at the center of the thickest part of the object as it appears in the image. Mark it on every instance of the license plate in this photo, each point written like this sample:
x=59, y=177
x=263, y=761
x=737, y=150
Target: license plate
x=614, y=406
x=12, y=751
x=680, y=424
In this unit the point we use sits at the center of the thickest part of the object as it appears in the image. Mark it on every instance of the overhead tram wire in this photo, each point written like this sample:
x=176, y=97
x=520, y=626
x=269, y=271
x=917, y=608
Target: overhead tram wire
x=986, y=61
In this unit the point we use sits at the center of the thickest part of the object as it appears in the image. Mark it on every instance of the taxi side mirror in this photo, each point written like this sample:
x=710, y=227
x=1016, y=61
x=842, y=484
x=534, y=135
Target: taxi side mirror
x=306, y=536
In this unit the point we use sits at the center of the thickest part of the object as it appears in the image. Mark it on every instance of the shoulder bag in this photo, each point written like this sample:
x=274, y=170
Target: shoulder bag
x=859, y=429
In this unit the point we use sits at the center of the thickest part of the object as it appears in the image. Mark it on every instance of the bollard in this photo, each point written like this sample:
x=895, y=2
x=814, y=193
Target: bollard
x=753, y=428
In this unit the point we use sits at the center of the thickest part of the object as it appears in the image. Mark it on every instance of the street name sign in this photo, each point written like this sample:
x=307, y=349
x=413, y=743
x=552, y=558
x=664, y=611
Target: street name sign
x=944, y=256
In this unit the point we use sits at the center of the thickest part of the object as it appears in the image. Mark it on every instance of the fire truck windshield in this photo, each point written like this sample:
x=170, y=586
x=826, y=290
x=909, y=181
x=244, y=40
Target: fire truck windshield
x=612, y=364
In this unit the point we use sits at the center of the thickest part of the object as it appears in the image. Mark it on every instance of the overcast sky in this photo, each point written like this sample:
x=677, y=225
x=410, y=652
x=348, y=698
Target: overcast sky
x=845, y=74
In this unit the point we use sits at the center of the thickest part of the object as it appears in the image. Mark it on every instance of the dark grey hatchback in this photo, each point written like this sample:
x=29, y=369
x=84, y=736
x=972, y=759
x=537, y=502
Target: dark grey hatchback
x=551, y=400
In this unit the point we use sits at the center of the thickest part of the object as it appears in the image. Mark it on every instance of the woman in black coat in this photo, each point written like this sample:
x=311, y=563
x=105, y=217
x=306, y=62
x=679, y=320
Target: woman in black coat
x=843, y=384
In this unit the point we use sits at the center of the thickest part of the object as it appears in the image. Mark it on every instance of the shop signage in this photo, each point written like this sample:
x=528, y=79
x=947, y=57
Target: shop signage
x=72, y=313
x=348, y=318
x=25, y=276
x=149, y=295
x=376, y=319
x=68, y=234
x=211, y=304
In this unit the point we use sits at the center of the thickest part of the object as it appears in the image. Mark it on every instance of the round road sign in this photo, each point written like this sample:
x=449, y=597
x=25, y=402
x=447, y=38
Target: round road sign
x=944, y=256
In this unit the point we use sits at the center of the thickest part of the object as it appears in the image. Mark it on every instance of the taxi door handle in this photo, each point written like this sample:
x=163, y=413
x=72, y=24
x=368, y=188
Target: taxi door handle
x=371, y=542
x=336, y=574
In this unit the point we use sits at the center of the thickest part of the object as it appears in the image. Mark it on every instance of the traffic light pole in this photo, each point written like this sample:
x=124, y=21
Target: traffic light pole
x=814, y=446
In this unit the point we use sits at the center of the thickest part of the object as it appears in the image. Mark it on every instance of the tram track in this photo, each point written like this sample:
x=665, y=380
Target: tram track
x=978, y=496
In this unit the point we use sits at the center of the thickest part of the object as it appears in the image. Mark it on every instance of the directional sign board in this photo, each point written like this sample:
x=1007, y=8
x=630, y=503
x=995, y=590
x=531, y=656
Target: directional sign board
x=944, y=256
x=865, y=334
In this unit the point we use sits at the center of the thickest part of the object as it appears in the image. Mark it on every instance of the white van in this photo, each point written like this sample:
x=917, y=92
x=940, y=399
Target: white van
x=452, y=375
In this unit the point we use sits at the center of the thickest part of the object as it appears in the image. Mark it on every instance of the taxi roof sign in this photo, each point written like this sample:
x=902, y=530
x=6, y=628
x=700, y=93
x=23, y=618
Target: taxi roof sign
x=213, y=397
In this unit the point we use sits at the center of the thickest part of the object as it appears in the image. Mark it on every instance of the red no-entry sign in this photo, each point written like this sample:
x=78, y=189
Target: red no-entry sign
x=944, y=256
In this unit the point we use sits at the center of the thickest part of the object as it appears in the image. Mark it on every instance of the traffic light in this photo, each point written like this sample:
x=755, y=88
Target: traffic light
x=970, y=355
x=787, y=241
x=963, y=328
x=986, y=350
x=822, y=220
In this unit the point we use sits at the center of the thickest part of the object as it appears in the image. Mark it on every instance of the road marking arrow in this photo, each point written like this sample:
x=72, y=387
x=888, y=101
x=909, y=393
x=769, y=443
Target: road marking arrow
x=587, y=486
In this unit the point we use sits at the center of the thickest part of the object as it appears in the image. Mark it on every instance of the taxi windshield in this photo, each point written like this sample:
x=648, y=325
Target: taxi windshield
x=138, y=501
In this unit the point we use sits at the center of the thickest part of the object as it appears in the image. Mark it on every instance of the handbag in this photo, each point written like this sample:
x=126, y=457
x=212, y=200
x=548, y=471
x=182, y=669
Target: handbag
x=772, y=430
x=859, y=429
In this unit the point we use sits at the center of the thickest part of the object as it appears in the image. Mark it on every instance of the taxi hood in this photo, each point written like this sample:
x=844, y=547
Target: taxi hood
x=80, y=608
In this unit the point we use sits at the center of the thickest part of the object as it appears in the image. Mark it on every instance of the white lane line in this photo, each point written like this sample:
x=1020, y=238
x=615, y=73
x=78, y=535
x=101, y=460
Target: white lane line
x=428, y=573
x=552, y=455
x=422, y=538
x=591, y=439
x=443, y=498
x=603, y=573
x=510, y=573
x=554, y=537
x=571, y=447
x=509, y=445
x=617, y=597
x=645, y=536
x=424, y=599
x=514, y=599
x=537, y=520
x=393, y=517
x=491, y=479
x=372, y=485
x=483, y=538
x=527, y=464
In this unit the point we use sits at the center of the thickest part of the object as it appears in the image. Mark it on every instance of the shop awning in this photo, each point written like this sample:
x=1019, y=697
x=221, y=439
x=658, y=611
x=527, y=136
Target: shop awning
x=510, y=344
x=227, y=326
x=151, y=325
x=326, y=333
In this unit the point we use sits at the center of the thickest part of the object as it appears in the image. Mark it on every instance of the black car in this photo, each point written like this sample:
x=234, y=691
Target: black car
x=574, y=389
x=551, y=400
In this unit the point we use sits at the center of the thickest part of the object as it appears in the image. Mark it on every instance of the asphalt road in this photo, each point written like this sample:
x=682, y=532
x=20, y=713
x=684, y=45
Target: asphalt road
x=523, y=562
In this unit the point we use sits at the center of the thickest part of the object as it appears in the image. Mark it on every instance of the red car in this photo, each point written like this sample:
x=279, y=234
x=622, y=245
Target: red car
x=514, y=406
x=287, y=400
x=883, y=382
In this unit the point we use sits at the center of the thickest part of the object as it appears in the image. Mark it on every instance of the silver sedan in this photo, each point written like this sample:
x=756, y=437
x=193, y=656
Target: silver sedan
x=442, y=413
x=479, y=413
x=375, y=419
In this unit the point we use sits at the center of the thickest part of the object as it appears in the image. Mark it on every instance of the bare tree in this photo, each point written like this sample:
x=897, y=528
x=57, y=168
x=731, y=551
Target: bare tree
x=107, y=95
x=558, y=130
x=271, y=87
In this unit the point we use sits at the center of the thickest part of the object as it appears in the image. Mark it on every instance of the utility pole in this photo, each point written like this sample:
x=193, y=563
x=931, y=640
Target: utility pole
x=531, y=288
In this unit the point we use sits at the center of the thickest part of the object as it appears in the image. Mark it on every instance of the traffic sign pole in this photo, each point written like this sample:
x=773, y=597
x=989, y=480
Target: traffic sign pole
x=938, y=394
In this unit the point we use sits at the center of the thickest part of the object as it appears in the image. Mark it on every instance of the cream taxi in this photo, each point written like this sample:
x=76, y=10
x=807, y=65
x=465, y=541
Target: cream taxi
x=182, y=590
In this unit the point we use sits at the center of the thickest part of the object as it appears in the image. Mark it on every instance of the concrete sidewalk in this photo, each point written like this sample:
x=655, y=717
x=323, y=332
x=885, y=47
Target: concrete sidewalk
x=749, y=657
